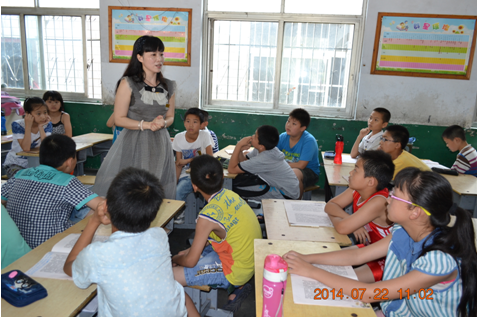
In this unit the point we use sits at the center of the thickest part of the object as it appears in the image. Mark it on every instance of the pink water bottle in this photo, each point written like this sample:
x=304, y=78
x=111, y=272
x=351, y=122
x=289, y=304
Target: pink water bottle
x=338, y=149
x=274, y=285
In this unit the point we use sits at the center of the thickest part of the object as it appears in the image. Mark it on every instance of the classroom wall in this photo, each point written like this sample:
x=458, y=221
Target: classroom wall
x=429, y=101
x=187, y=78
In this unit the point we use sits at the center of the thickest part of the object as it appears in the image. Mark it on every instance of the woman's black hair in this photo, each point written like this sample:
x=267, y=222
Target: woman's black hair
x=434, y=193
x=142, y=45
x=55, y=96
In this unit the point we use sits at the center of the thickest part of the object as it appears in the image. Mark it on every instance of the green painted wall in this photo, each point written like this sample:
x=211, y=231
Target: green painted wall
x=231, y=127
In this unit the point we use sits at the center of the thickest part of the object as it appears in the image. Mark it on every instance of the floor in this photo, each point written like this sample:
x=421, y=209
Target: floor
x=178, y=241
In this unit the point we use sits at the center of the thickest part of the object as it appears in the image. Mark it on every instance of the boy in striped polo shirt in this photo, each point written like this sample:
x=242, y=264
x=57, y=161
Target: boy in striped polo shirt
x=466, y=161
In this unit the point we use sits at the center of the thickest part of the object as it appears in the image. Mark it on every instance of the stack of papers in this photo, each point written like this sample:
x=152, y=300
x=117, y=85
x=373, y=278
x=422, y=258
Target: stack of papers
x=432, y=164
x=307, y=213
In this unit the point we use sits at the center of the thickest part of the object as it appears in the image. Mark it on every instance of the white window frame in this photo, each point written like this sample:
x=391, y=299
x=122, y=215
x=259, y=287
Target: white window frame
x=209, y=17
x=77, y=12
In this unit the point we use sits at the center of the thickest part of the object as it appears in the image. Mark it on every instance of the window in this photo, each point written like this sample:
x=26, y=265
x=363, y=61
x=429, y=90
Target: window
x=281, y=56
x=47, y=48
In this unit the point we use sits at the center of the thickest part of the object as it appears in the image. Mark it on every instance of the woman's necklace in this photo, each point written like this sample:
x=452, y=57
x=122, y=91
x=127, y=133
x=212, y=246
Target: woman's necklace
x=149, y=83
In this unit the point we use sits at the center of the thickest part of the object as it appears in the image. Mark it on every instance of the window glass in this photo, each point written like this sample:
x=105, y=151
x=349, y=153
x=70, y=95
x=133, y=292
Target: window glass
x=18, y=3
x=12, y=61
x=315, y=64
x=341, y=7
x=244, y=61
x=245, y=5
x=91, y=4
x=93, y=59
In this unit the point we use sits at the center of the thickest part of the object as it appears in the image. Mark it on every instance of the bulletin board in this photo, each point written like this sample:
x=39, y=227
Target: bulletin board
x=172, y=25
x=424, y=45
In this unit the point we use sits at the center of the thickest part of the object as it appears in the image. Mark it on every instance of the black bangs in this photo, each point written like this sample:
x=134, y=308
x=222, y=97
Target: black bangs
x=153, y=44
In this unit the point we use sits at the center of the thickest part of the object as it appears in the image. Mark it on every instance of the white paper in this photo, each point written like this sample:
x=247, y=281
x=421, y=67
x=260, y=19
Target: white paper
x=50, y=266
x=306, y=289
x=307, y=213
x=229, y=152
x=432, y=164
x=348, y=159
x=67, y=243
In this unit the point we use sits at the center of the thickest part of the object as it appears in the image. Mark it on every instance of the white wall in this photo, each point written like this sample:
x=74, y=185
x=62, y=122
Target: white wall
x=187, y=78
x=416, y=100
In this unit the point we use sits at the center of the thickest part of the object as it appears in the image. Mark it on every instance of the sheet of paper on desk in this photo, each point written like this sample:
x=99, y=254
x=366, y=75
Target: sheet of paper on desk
x=307, y=291
x=51, y=265
x=307, y=213
x=432, y=164
x=348, y=159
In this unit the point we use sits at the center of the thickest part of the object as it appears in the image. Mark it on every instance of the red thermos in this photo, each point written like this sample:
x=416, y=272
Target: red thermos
x=338, y=149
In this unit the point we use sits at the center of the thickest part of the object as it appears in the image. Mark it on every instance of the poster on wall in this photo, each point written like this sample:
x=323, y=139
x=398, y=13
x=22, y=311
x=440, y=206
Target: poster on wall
x=424, y=45
x=172, y=25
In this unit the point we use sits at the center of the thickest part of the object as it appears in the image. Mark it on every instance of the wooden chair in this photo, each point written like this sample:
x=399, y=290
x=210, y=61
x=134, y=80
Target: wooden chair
x=307, y=192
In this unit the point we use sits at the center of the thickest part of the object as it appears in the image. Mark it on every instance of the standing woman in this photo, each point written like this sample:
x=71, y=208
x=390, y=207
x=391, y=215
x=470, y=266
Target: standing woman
x=144, y=107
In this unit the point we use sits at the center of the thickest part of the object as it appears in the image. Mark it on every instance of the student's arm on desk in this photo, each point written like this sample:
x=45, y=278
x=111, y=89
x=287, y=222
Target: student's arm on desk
x=370, y=211
x=335, y=207
x=99, y=217
x=190, y=257
x=237, y=155
x=414, y=280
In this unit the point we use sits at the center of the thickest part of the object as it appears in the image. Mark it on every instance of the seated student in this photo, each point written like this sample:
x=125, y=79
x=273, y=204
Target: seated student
x=213, y=136
x=13, y=244
x=393, y=142
x=370, y=137
x=133, y=267
x=431, y=262
x=41, y=199
x=28, y=134
x=189, y=144
x=466, y=162
x=222, y=251
x=300, y=148
x=56, y=111
x=368, y=193
x=268, y=163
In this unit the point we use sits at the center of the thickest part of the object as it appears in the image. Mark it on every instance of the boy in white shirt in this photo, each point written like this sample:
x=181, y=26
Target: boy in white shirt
x=189, y=144
x=367, y=141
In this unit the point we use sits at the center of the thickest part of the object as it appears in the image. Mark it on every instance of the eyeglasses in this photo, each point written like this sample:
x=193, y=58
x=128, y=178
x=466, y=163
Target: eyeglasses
x=385, y=140
x=408, y=202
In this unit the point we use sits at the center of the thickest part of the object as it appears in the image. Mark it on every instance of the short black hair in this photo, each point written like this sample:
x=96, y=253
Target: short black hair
x=207, y=174
x=379, y=165
x=399, y=134
x=205, y=114
x=55, y=96
x=133, y=199
x=268, y=136
x=56, y=149
x=454, y=131
x=385, y=113
x=32, y=103
x=301, y=115
x=195, y=112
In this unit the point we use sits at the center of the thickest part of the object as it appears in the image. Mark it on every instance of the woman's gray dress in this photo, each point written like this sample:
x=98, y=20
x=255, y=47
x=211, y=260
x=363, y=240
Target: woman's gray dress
x=146, y=149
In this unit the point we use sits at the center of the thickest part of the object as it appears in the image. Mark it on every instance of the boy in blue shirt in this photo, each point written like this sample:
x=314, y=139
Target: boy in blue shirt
x=41, y=199
x=300, y=148
x=132, y=268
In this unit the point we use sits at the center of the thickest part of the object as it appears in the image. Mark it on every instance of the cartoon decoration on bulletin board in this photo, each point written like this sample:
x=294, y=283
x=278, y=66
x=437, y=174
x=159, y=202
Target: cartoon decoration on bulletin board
x=171, y=25
x=424, y=45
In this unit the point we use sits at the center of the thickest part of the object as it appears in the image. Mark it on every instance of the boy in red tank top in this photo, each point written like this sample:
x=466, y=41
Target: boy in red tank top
x=368, y=192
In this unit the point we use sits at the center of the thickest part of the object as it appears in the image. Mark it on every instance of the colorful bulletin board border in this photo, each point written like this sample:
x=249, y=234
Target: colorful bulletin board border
x=424, y=45
x=172, y=25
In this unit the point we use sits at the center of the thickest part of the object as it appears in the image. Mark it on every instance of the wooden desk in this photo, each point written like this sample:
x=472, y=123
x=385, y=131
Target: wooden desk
x=278, y=228
x=228, y=176
x=101, y=142
x=465, y=191
x=280, y=247
x=64, y=298
x=7, y=139
x=330, y=161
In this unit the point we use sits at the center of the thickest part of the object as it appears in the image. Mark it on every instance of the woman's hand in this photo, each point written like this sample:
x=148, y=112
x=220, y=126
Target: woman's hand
x=361, y=235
